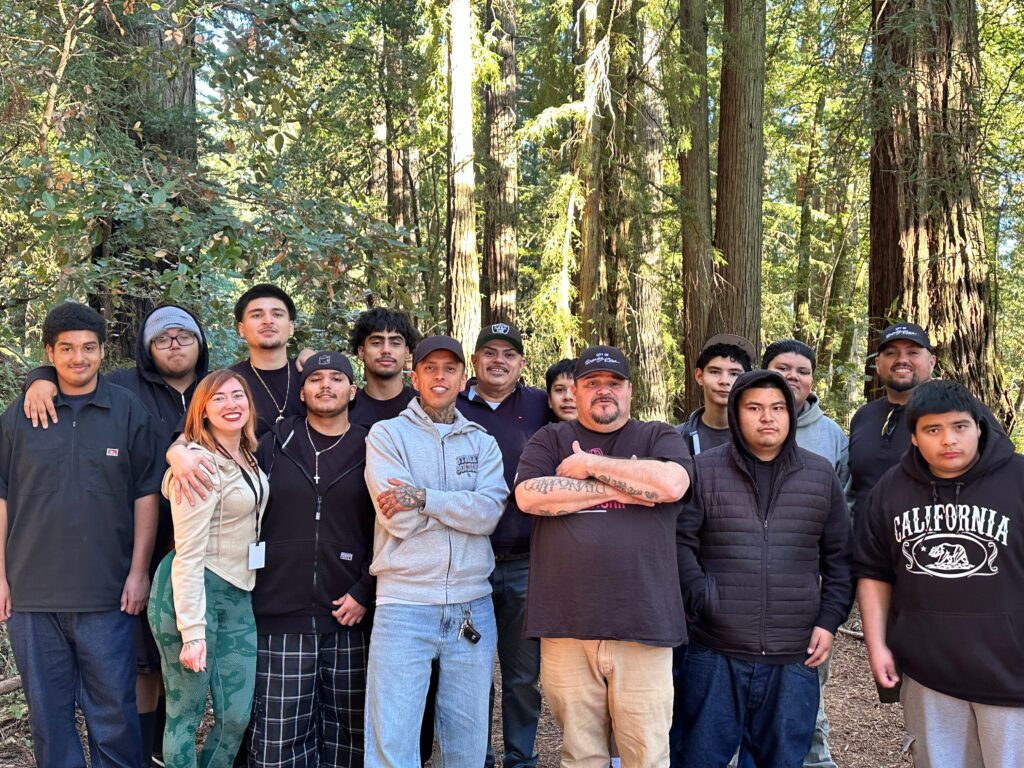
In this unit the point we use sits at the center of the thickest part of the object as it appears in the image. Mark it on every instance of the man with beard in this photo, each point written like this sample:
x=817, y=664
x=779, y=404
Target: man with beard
x=312, y=596
x=171, y=358
x=878, y=436
x=383, y=339
x=604, y=594
x=497, y=400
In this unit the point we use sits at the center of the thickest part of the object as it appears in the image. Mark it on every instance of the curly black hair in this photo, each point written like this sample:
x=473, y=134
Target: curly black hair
x=380, y=320
x=72, y=316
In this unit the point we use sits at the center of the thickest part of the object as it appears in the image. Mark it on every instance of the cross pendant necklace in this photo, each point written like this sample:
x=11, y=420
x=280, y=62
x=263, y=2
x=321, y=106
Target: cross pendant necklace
x=316, y=453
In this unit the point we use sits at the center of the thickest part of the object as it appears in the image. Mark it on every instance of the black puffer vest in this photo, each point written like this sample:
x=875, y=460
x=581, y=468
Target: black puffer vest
x=763, y=592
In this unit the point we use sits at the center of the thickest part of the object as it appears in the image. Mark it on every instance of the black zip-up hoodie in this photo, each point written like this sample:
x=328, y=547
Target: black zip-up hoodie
x=319, y=546
x=953, y=550
x=763, y=563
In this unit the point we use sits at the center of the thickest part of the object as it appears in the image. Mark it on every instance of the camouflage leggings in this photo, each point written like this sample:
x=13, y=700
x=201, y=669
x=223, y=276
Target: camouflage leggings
x=230, y=674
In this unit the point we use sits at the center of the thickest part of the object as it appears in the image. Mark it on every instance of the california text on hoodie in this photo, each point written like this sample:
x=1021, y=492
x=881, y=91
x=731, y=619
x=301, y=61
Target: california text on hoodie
x=512, y=424
x=439, y=554
x=953, y=550
x=819, y=434
x=319, y=540
x=757, y=584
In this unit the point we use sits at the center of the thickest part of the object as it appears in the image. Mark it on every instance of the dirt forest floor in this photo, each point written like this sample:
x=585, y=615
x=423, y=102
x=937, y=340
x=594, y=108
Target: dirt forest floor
x=865, y=733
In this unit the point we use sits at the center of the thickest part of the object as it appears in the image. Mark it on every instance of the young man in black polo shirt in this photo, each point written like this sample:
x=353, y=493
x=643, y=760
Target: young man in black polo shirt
x=511, y=412
x=311, y=598
x=78, y=516
x=604, y=595
x=723, y=358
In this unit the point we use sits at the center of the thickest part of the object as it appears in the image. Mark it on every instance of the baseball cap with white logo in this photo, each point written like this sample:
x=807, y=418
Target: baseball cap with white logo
x=601, y=358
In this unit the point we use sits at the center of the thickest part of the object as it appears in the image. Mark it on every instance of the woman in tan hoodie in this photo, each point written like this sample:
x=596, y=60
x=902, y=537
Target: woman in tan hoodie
x=201, y=608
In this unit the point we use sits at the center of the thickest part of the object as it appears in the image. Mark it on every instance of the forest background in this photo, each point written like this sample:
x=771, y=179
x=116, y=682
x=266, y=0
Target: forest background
x=644, y=173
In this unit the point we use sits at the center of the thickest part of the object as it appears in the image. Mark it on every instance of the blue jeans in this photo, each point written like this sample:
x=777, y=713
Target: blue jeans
x=83, y=658
x=675, y=734
x=769, y=709
x=405, y=639
x=519, y=659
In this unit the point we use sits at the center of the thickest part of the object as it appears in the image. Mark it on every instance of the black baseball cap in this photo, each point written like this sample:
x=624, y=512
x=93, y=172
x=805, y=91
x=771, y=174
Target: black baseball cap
x=433, y=344
x=500, y=332
x=326, y=360
x=908, y=331
x=601, y=358
x=731, y=340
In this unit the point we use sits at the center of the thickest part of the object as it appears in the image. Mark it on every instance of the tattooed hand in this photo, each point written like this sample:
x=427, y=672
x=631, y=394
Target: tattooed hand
x=402, y=498
x=579, y=465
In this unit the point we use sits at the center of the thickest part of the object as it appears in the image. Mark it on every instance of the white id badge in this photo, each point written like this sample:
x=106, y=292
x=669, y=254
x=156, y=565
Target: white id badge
x=257, y=555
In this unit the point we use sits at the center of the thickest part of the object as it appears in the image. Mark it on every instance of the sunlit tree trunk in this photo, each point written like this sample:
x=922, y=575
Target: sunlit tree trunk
x=463, y=258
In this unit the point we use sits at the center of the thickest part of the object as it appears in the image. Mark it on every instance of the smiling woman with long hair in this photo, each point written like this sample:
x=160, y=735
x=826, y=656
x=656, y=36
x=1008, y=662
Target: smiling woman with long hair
x=201, y=608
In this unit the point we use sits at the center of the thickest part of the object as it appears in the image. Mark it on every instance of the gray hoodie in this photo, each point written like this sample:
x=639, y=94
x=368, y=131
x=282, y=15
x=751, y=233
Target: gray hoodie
x=818, y=434
x=440, y=554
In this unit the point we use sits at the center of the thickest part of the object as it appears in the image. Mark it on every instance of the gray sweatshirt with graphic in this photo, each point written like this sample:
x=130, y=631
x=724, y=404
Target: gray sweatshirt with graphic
x=438, y=554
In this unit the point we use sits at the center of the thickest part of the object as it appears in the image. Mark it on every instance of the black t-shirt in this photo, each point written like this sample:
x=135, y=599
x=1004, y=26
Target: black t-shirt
x=610, y=574
x=270, y=391
x=710, y=437
x=367, y=411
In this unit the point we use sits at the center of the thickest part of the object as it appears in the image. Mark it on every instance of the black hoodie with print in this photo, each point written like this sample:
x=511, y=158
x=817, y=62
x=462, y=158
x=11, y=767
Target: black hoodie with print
x=953, y=551
x=764, y=547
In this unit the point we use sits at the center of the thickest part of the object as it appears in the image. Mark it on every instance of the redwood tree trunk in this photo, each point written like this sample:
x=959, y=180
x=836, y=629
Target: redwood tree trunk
x=701, y=312
x=501, y=252
x=740, y=167
x=463, y=259
x=928, y=260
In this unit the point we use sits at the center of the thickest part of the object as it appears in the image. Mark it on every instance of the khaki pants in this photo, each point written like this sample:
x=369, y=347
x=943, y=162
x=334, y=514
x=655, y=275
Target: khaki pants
x=598, y=687
x=946, y=732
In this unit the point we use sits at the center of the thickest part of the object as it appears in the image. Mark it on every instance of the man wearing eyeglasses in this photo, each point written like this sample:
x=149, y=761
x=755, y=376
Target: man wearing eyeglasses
x=878, y=433
x=170, y=359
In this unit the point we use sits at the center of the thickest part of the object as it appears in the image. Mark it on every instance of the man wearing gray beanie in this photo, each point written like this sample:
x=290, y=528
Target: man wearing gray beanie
x=170, y=359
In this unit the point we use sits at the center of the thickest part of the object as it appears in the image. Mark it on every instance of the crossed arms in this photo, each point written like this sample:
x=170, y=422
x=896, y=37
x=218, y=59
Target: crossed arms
x=585, y=480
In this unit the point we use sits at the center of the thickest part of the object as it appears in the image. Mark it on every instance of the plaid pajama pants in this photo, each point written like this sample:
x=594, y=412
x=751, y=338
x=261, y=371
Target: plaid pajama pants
x=310, y=694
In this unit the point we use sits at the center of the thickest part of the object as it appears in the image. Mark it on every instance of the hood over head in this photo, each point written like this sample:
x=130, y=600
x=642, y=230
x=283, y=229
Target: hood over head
x=994, y=448
x=747, y=381
x=144, y=358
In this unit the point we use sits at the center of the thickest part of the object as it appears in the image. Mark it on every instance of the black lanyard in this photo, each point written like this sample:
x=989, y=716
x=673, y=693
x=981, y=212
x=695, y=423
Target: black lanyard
x=256, y=488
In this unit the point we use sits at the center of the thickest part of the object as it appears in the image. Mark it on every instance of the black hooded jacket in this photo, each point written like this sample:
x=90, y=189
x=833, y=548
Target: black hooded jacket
x=763, y=563
x=953, y=551
x=319, y=544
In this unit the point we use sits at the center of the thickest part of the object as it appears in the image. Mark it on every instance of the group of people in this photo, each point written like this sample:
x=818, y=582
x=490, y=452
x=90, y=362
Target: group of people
x=338, y=567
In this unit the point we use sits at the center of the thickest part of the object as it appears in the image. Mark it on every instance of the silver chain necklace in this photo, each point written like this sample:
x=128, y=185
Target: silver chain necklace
x=316, y=453
x=287, y=389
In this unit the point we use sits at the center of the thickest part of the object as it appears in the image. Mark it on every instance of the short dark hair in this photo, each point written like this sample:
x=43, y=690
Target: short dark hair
x=724, y=350
x=787, y=346
x=71, y=316
x=263, y=291
x=942, y=396
x=563, y=367
x=380, y=320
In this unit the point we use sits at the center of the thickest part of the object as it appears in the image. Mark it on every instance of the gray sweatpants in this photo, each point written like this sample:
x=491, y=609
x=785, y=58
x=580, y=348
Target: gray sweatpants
x=946, y=732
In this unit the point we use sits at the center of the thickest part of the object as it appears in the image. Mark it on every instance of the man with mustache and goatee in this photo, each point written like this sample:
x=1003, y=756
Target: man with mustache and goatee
x=311, y=598
x=604, y=594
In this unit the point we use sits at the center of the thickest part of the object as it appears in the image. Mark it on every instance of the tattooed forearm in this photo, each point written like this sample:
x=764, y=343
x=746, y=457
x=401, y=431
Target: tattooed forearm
x=439, y=415
x=550, y=484
x=409, y=497
x=552, y=512
x=621, y=485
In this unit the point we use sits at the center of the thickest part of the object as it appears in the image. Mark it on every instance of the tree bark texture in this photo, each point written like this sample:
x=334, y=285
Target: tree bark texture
x=501, y=251
x=741, y=168
x=701, y=312
x=647, y=347
x=928, y=262
x=463, y=258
